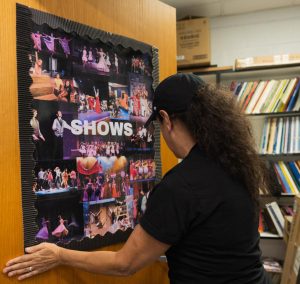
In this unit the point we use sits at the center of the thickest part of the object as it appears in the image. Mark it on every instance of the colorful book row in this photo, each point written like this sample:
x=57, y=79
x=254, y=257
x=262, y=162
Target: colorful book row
x=288, y=176
x=281, y=136
x=268, y=96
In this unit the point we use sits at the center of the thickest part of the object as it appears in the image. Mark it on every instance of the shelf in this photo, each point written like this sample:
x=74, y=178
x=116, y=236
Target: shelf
x=274, y=114
x=230, y=69
x=266, y=235
x=281, y=157
x=268, y=67
x=207, y=70
x=282, y=200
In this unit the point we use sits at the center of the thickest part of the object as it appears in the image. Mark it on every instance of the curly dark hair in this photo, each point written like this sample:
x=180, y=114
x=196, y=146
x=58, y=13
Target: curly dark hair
x=223, y=131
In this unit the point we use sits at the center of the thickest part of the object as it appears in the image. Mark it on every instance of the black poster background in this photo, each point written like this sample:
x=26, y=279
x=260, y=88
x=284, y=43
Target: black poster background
x=108, y=71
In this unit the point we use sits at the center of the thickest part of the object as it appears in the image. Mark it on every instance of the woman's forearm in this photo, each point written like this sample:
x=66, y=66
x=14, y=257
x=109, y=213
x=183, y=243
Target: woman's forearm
x=100, y=262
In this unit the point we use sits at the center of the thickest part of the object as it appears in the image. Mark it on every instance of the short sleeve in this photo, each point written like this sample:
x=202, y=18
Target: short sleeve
x=169, y=213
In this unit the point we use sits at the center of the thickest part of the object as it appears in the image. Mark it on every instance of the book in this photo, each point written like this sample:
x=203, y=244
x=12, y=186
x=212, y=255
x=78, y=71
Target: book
x=241, y=92
x=277, y=143
x=286, y=136
x=275, y=185
x=297, y=104
x=276, y=216
x=282, y=180
x=272, y=136
x=294, y=97
x=294, y=179
x=261, y=86
x=271, y=265
x=270, y=96
x=296, y=135
x=268, y=225
x=255, y=84
x=292, y=135
x=288, y=177
x=246, y=92
x=277, y=96
x=282, y=135
x=265, y=137
x=286, y=95
x=295, y=171
x=262, y=98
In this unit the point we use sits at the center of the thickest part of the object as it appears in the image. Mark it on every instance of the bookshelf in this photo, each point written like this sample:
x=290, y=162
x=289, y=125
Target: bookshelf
x=272, y=245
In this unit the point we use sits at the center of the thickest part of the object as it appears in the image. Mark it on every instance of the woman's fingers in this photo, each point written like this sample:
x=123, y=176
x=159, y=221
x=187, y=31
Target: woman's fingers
x=28, y=274
x=19, y=271
x=19, y=259
x=15, y=267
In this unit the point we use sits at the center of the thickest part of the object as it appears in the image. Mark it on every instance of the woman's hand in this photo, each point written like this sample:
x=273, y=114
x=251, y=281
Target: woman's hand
x=38, y=259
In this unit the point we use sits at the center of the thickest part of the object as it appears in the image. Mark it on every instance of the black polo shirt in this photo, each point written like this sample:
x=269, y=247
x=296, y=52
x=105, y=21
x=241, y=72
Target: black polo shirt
x=209, y=220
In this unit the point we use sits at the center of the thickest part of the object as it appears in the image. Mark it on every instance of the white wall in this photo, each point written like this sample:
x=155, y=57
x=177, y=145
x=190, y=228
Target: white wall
x=269, y=32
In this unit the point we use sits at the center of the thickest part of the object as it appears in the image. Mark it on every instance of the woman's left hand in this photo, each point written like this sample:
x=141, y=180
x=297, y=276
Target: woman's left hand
x=38, y=259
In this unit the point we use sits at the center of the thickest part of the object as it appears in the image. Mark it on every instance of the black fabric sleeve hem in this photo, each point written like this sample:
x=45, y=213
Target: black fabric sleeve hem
x=153, y=232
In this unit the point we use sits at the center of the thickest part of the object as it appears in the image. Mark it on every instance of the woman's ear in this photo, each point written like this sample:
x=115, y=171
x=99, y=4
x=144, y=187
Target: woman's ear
x=166, y=121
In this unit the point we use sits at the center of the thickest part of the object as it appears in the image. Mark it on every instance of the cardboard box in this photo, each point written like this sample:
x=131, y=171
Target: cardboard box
x=193, y=42
x=270, y=60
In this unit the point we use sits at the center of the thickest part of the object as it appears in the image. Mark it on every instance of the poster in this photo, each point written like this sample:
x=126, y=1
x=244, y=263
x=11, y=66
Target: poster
x=87, y=162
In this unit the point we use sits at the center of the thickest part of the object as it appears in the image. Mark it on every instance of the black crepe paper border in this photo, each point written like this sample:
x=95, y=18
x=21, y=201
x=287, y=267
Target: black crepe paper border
x=25, y=18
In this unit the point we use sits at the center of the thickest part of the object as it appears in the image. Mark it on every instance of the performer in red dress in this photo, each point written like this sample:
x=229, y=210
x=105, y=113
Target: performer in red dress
x=61, y=231
x=97, y=104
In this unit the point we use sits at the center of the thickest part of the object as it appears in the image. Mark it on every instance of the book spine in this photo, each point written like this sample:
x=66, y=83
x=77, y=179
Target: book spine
x=295, y=172
x=294, y=97
x=275, y=220
x=282, y=180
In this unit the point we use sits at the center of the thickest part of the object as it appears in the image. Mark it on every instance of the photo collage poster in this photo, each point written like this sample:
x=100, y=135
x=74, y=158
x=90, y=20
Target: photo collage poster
x=94, y=164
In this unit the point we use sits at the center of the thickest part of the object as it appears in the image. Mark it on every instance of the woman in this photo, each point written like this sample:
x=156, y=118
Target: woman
x=97, y=104
x=65, y=179
x=50, y=178
x=68, y=90
x=60, y=231
x=58, y=86
x=203, y=213
x=84, y=56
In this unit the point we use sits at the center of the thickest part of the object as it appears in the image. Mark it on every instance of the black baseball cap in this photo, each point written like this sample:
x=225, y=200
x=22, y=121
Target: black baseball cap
x=174, y=94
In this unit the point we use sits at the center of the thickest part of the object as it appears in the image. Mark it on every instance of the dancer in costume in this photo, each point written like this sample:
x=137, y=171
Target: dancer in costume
x=82, y=102
x=49, y=178
x=58, y=179
x=84, y=56
x=101, y=65
x=38, y=65
x=97, y=105
x=36, y=37
x=60, y=231
x=43, y=233
x=145, y=169
x=116, y=63
x=90, y=56
x=91, y=102
x=64, y=42
x=68, y=90
x=65, y=178
x=73, y=178
x=58, y=86
x=50, y=42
